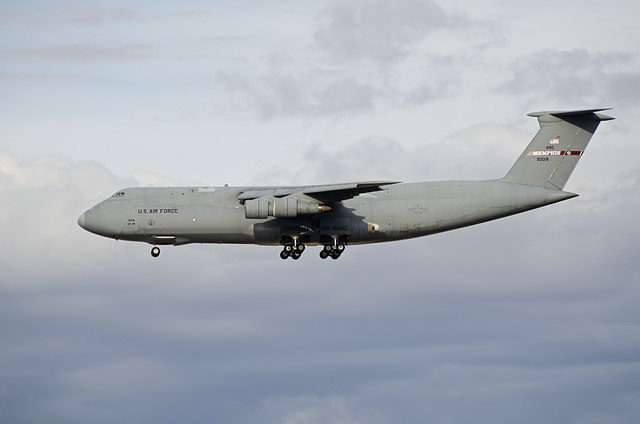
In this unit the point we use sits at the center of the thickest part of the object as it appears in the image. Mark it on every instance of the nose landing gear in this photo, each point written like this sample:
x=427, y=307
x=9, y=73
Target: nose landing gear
x=155, y=251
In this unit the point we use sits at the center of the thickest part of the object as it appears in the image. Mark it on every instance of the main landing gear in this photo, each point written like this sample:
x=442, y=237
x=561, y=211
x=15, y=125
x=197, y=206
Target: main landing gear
x=334, y=250
x=292, y=250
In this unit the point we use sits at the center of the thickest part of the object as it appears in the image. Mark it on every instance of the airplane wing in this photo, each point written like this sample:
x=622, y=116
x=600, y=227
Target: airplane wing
x=324, y=193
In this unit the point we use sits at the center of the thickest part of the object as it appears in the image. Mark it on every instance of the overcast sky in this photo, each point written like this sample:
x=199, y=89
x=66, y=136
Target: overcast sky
x=529, y=319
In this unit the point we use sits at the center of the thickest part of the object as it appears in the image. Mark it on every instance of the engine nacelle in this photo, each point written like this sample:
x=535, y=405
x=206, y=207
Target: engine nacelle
x=256, y=209
x=286, y=207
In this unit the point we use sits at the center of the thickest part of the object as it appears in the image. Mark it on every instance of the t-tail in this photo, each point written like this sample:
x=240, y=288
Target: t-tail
x=551, y=156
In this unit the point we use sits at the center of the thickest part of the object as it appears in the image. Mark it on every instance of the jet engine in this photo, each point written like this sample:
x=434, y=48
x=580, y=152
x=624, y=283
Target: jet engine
x=256, y=209
x=286, y=207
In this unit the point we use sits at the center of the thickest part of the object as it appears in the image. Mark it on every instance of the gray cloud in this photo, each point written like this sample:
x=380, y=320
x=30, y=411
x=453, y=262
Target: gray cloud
x=623, y=88
x=52, y=15
x=577, y=76
x=478, y=152
x=99, y=15
x=436, y=327
x=378, y=30
x=105, y=15
x=364, y=56
x=291, y=95
x=83, y=53
x=442, y=80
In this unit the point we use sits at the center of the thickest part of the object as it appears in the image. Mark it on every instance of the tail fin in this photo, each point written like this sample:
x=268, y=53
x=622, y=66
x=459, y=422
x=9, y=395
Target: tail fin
x=551, y=156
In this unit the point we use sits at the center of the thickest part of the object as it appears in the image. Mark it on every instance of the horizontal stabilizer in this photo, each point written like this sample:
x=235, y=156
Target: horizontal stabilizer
x=587, y=114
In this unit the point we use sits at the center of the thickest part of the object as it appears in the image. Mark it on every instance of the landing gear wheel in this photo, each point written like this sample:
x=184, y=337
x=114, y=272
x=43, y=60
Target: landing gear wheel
x=340, y=247
x=284, y=254
x=301, y=248
x=335, y=255
x=295, y=256
x=328, y=248
x=288, y=248
x=155, y=251
x=324, y=254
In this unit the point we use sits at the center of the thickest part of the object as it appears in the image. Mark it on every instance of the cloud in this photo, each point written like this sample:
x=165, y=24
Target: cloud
x=83, y=53
x=297, y=95
x=623, y=88
x=575, y=77
x=311, y=410
x=99, y=15
x=435, y=327
x=479, y=152
x=378, y=30
x=364, y=56
x=44, y=199
x=49, y=15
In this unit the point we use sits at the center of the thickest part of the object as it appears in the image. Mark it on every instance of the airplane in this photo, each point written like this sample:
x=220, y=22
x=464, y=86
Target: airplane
x=336, y=215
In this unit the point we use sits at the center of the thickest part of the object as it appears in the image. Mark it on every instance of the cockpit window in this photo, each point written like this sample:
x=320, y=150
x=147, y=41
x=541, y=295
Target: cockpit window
x=119, y=194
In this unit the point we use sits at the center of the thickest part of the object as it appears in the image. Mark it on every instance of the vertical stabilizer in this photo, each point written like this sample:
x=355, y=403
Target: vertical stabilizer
x=551, y=156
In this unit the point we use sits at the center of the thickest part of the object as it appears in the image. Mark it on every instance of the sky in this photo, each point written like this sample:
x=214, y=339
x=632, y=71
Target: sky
x=531, y=318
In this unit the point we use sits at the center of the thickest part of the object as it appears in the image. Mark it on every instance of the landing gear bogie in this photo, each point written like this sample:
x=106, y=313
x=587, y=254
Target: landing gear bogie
x=333, y=246
x=293, y=246
x=332, y=250
x=294, y=252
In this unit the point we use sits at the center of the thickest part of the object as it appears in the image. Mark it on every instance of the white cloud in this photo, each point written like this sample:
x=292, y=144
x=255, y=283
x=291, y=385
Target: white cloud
x=311, y=410
x=44, y=198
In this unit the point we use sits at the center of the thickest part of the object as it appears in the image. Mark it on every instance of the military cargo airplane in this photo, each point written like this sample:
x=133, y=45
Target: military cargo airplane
x=336, y=215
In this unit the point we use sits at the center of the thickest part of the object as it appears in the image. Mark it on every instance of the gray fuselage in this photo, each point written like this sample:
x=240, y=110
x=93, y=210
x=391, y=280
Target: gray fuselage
x=182, y=215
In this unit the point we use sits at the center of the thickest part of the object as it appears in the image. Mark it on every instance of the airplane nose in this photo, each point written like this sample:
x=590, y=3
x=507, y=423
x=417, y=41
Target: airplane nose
x=92, y=221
